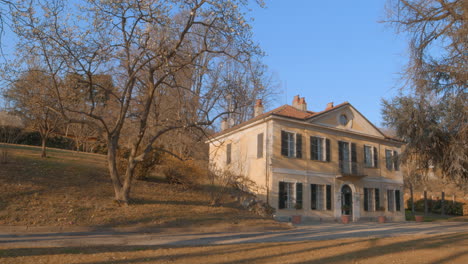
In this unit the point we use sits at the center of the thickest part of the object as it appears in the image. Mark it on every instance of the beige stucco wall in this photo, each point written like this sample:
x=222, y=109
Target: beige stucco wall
x=272, y=168
x=244, y=159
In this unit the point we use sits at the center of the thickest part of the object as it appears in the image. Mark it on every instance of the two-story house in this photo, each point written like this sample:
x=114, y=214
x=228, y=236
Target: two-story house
x=320, y=165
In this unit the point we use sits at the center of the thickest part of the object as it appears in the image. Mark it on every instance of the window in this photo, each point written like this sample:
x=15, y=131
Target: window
x=319, y=149
x=290, y=195
x=228, y=153
x=392, y=160
x=291, y=144
x=370, y=156
x=347, y=157
x=343, y=120
x=260, y=145
x=397, y=200
x=390, y=200
x=371, y=199
x=320, y=197
x=388, y=159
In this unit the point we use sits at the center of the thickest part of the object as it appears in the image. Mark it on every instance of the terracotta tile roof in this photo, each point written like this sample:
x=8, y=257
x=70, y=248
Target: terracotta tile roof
x=283, y=111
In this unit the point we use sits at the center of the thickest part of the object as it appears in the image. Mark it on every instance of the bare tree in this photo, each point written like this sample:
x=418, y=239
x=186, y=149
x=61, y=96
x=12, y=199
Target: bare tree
x=432, y=114
x=144, y=46
x=32, y=100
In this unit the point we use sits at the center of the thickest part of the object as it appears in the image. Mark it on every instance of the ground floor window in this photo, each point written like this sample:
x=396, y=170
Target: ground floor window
x=320, y=197
x=290, y=195
x=371, y=199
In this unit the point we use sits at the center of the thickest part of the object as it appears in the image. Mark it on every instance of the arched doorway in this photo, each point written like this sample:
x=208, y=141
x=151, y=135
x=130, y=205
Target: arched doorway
x=346, y=200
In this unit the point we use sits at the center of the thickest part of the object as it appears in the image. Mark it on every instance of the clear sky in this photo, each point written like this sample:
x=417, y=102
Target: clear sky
x=331, y=51
x=326, y=51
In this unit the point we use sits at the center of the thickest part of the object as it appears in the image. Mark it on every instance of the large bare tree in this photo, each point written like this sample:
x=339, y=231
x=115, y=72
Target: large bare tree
x=432, y=114
x=146, y=46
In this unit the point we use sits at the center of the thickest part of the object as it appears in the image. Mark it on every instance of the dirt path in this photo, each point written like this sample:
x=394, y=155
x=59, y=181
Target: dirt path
x=323, y=231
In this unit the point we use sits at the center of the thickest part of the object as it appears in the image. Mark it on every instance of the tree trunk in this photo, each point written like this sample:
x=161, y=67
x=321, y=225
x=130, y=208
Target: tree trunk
x=43, y=145
x=120, y=196
x=426, y=209
x=442, y=204
x=412, y=199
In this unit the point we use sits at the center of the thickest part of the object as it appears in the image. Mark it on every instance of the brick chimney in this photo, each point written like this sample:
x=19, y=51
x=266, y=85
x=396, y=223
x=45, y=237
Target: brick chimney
x=299, y=103
x=224, y=124
x=329, y=106
x=258, y=108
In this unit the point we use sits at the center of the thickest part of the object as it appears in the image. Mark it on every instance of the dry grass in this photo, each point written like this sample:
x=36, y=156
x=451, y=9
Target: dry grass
x=74, y=189
x=451, y=248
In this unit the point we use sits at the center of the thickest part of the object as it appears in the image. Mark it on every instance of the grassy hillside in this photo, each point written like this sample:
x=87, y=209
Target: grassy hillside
x=74, y=189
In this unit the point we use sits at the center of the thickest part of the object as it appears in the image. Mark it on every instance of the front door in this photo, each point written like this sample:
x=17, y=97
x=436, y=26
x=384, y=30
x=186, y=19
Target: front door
x=346, y=200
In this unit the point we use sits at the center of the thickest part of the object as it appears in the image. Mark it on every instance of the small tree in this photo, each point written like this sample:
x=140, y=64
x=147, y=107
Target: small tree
x=31, y=99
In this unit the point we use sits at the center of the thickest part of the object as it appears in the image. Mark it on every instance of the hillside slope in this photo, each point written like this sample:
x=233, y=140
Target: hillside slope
x=74, y=189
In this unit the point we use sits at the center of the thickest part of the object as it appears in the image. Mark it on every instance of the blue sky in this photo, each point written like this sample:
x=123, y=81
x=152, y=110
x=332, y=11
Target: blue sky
x=331, y=51
x=326, y=51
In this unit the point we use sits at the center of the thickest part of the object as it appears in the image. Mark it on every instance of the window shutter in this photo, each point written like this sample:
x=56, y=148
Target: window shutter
x=376, y=158
x=228, y=153
x=282, y=195
x=397, y=200
x=298, y=195
x=377, y=199
x=329, y=205
x=328, y=150
x=260, y=145
x=313, y=148
x=353, y=158
x=313, y=196
x=365, y=155
x=298, y=146
x=284, y=143
x=366, y=199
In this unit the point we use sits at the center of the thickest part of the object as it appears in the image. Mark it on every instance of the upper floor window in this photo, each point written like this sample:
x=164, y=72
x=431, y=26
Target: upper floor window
x=319, y=149
x=291, y=144
x=392, y=160
x=396, y=161
x=260, y=145
x=388, y=159
x=370, y=156
x=347, y=157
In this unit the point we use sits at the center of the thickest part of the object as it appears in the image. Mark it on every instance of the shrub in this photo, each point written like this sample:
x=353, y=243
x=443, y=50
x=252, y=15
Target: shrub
x=435, y=206
x=186, y=173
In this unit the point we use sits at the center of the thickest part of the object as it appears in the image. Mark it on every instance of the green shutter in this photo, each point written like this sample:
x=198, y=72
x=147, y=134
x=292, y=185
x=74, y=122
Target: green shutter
x=366, y=199
x=298, y=146
x=281, y=195
x=328, y=190
x=298, y=195
x=284, y=143
x=376, y=158
x=353, y=158
x=328, y=149
x=377, y=199
x=313, y=196
x=313, y=148
x=397, y=200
